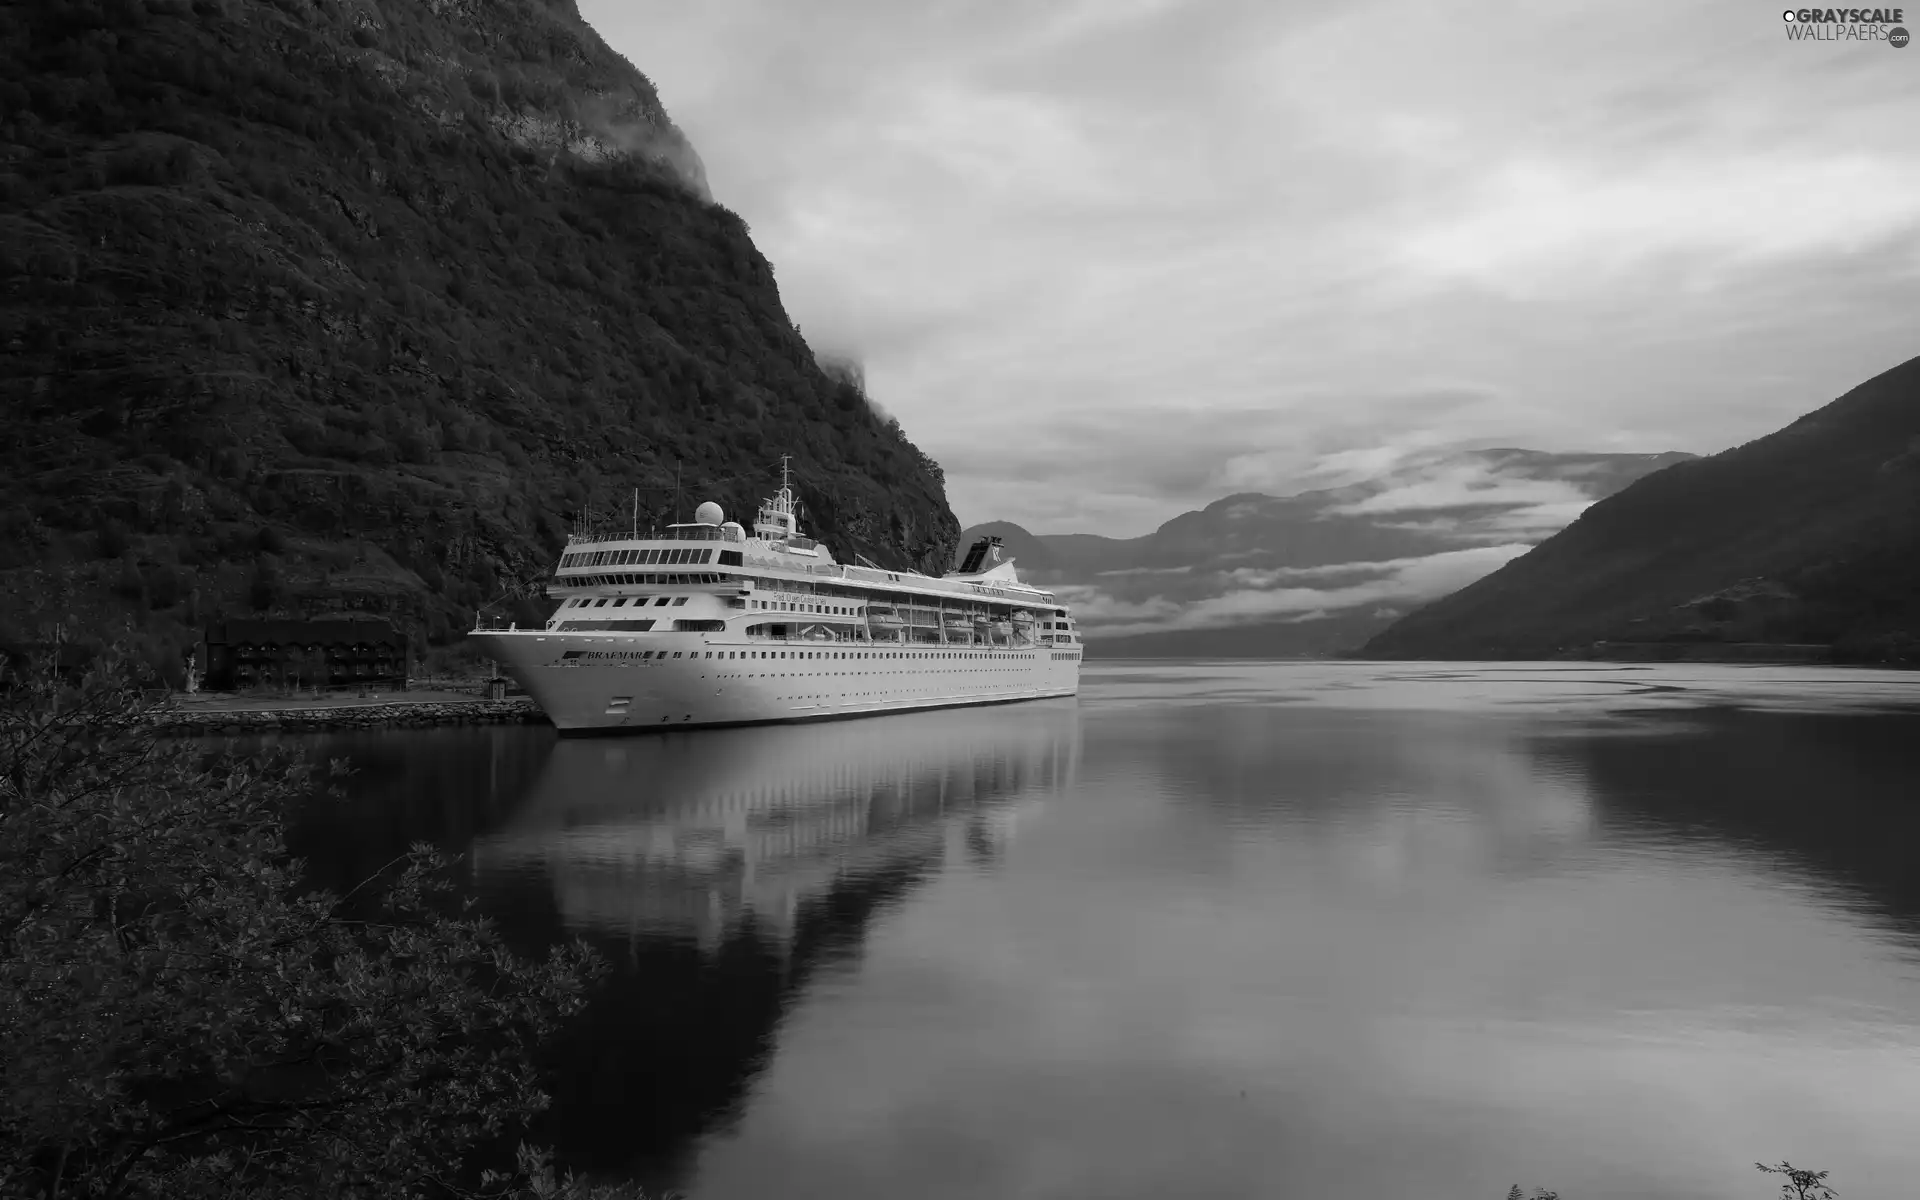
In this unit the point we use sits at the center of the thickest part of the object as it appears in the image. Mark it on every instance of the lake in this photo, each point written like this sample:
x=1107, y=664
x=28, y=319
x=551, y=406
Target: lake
x=1313, y=930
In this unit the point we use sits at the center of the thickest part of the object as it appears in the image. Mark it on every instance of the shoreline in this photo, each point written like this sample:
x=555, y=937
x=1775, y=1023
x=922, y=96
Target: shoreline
x=334, y=717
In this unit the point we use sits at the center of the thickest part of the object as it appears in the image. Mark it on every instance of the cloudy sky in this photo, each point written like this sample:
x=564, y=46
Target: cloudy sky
x=1108, y=260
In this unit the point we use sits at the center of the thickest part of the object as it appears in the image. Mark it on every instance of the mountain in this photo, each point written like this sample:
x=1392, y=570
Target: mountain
x=1321, y=571
x=1810, y=535
x=313, y=305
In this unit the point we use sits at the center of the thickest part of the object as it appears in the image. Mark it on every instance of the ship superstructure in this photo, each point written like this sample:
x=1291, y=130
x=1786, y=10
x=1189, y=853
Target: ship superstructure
x=706, y=624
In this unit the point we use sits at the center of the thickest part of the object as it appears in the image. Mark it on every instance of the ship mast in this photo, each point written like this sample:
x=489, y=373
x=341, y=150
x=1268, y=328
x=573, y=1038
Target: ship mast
x=777, y=517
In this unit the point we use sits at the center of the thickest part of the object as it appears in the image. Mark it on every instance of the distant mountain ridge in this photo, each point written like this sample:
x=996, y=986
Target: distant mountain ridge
x=311, y=305
x=1319, y=571
x=1807, y=536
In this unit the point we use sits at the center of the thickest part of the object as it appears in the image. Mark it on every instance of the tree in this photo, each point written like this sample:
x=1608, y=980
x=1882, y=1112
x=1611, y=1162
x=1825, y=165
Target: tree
x=178, y=1017
x=1799, y=1185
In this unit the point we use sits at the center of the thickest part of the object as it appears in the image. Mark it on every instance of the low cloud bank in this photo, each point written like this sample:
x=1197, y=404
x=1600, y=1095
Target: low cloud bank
x=1286, y=594
x=1375, y=532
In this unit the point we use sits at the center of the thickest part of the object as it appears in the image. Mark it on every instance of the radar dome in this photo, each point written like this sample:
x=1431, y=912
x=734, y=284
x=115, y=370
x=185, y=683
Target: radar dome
x=733, y=532
x=709, y=514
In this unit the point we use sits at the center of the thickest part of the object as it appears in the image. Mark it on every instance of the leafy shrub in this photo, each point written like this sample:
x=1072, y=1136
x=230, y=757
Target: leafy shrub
x=178, y=1017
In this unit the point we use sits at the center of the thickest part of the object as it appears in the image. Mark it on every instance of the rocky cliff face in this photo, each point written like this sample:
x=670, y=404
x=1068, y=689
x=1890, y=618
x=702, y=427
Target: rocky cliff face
x=310, y=305
x=1809, y=536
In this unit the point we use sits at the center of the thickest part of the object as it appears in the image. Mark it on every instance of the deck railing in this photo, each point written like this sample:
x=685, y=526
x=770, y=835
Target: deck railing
x=870, y=575
x=954, y=587
x=870, y=642
x=698, y=534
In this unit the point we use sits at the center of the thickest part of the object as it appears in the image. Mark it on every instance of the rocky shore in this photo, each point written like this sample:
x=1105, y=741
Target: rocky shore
x=397, y=714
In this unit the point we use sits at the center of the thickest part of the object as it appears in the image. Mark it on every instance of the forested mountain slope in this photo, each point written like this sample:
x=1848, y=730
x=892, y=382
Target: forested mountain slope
x=310, y=305
x=1810, y=535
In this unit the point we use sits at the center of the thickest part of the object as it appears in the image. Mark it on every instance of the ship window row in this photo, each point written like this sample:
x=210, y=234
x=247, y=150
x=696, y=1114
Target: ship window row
x=828, y=610
x=689, y=555
x=850, y=599
x=667, y=556
x=607, y=626
x=849, y=655
x=904, y=601
x=818, y=655
x=622, y=601
x=908, y=605
x=580, y=602
x=641, y=580
x=796, y=629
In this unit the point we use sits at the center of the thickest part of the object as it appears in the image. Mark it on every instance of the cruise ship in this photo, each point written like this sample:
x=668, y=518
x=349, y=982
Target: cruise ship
x=705, y=624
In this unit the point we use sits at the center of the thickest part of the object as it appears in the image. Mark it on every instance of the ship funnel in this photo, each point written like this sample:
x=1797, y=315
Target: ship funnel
x=977, y=560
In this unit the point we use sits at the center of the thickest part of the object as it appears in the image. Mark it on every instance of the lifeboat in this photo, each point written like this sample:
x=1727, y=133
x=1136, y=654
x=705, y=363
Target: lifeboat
x=882, y=616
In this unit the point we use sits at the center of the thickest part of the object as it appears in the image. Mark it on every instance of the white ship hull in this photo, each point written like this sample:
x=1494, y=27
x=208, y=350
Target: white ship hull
x=602, y=683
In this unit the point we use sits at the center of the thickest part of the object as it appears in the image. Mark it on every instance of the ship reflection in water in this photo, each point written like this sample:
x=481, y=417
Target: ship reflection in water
x=717, y=832
x=721, y=872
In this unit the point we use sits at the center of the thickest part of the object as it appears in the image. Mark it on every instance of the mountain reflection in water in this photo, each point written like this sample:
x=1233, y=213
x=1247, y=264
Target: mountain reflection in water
x=1294, y=930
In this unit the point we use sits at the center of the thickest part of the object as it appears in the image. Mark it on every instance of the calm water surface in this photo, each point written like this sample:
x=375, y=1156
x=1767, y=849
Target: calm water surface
x=1220, y=930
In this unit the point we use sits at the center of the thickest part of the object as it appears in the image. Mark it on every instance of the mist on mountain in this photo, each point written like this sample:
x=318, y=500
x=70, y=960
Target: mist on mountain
x=1320, y=571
